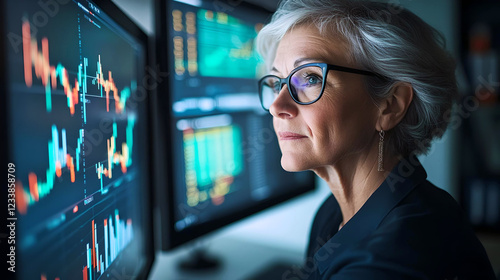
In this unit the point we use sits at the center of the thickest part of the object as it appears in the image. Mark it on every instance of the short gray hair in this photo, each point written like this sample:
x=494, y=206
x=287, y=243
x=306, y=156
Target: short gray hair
x=388, y=40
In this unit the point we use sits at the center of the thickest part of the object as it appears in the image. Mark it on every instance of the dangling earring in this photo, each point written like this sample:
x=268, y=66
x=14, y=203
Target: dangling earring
x=381, y=151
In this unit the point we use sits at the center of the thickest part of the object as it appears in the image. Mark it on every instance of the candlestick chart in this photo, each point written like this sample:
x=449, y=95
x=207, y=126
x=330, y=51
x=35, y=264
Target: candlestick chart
x=53, y=75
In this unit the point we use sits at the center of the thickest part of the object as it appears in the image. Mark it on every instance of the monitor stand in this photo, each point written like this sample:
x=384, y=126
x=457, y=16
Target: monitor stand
x=199, y=260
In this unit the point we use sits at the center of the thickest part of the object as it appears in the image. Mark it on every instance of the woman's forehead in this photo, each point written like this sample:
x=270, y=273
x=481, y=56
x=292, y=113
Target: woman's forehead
x=306, y=44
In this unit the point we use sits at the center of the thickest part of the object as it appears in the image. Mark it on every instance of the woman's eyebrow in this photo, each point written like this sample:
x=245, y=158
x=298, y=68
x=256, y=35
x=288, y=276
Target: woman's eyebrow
x=302, y=60
x=298, y=62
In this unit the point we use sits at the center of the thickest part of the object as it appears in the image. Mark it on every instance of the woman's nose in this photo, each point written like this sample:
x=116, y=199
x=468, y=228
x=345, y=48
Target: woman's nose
x=284, y=106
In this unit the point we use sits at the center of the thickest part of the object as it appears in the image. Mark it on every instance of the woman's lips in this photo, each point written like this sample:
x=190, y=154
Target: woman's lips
x=290, y=136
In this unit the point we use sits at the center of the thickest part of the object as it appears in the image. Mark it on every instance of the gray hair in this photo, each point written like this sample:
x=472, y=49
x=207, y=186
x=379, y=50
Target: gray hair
x=391, y=41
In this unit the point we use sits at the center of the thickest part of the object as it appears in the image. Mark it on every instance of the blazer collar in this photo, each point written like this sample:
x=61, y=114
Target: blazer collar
x=401, y=180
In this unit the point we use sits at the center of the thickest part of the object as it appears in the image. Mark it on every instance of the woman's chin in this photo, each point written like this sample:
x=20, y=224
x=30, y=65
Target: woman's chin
x=292, y=164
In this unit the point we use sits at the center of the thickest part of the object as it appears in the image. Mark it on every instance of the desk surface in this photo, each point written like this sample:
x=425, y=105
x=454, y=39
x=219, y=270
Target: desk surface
x=240, y=259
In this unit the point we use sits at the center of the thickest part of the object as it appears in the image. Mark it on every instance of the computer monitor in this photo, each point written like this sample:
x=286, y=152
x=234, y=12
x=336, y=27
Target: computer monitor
x=75, y=146
x=223, y=159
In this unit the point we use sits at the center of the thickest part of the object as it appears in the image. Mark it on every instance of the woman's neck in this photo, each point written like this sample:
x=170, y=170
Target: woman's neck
x=353, y=180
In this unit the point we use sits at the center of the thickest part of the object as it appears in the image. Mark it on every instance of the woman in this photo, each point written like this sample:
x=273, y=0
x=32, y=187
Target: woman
x=357, y=90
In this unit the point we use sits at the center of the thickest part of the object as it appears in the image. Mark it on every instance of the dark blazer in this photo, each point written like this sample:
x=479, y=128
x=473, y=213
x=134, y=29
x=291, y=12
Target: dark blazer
x=407, y=229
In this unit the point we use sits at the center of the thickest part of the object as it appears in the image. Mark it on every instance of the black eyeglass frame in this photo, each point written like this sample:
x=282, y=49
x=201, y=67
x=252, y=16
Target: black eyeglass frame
x=325, y=68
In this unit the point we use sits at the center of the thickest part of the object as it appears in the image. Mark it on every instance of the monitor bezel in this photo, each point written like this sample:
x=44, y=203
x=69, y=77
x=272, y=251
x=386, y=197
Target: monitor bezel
x=126, y=23
x=170, y=237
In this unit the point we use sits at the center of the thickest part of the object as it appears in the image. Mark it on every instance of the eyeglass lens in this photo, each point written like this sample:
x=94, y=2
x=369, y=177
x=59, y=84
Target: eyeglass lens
x=305, y=86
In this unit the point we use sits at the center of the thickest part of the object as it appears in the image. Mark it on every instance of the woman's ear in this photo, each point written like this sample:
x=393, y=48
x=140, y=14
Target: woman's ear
x=393, y=108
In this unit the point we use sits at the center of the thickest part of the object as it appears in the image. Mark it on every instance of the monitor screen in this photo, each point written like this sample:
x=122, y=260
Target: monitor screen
x=77, y=141
x=225, y=159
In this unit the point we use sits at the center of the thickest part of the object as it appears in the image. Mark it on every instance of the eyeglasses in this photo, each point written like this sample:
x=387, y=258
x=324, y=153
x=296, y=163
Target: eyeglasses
x=306, y=83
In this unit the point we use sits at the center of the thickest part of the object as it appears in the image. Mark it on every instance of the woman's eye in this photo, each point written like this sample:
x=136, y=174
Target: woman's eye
x=312, y=80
